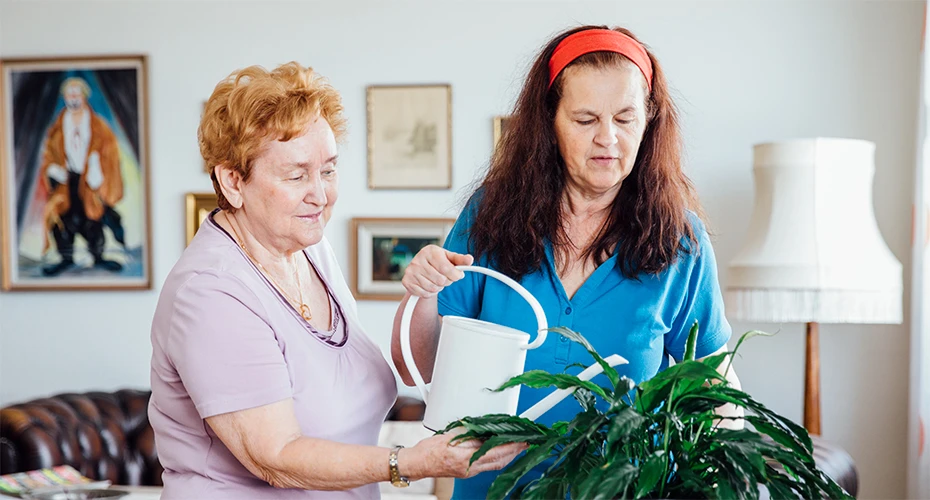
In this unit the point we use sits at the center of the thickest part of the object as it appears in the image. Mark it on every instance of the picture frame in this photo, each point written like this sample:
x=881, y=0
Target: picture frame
x=383, y=247
x=197, y=206
x=74, y=174
x=409, y=136
x=499, y=126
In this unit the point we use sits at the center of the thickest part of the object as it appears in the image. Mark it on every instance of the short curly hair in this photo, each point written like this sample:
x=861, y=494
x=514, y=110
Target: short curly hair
x=253, y=106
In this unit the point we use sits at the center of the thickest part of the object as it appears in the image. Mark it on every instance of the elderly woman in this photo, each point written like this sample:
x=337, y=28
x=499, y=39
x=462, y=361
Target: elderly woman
x=586, y=205
x=263, y=383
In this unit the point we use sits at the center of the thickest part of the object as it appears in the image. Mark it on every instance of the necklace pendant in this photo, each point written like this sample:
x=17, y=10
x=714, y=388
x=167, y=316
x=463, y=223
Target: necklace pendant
x=305, y=312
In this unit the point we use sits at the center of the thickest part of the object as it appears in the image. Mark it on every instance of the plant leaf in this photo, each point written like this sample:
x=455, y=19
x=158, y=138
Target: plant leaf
x=507, y=480
x=748, y=402
x=624, y=423
x=498, y=424
x=538, y=379
x=491, y=442
x=574, y=336
x=657, y=390
x=748, y=335
x=585, y=398
x=716, y=360
x=545, y=489
x=650, y=473
x=691, y=343
x=618, y=477
x=609, y=481
x=777, y=434
x=622, y=389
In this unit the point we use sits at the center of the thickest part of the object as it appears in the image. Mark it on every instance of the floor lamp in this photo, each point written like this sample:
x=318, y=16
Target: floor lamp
x=813, y=253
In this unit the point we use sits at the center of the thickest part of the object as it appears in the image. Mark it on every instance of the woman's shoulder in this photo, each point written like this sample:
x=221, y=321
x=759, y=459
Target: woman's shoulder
x=210, y=258
x=694, y=245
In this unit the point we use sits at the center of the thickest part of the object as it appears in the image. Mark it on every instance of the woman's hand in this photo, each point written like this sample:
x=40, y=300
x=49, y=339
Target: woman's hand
x=437, y=457
x=432, y=269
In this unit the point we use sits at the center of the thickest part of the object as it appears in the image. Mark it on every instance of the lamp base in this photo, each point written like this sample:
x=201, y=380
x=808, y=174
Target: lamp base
x=812, y=380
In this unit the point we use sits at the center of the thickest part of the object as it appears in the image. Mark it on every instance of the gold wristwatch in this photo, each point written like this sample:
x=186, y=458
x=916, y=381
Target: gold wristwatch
x=396, y=479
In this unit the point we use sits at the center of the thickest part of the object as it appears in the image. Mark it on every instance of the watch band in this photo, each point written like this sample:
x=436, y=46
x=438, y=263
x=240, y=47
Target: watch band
x=396, y=479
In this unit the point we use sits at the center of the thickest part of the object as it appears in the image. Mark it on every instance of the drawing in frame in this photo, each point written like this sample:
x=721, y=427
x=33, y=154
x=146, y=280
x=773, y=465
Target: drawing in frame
x=409, y=136
x=74, y=174
x=383, y=247
x=500, y=125
x=197, y=206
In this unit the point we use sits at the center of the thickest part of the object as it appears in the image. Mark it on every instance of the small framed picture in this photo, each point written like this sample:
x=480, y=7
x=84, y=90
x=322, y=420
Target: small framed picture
x=410, y=137
x=383, y=247
x=197, y=206
x=500, y=125
x=74, y=174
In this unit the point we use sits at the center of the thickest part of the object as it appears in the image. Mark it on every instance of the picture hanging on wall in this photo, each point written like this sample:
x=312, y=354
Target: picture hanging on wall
x=74, y=174
x=197, y=206
x=410, y=137
x=383, y=247
x=500, y=125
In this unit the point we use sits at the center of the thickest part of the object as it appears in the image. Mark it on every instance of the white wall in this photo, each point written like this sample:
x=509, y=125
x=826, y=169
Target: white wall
x=743, y=72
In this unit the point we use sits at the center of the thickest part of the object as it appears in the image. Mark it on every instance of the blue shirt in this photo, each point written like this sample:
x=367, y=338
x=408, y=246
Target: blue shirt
x=645, y=320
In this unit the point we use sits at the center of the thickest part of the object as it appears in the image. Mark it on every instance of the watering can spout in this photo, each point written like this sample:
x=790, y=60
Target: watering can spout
x=546, y=404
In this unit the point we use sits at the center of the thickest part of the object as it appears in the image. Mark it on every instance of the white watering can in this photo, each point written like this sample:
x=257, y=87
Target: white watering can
x=475, y=357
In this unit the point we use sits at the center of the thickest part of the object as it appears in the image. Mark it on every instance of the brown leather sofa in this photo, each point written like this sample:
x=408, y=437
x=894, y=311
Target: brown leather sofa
x=103, y=435
x=107, y=436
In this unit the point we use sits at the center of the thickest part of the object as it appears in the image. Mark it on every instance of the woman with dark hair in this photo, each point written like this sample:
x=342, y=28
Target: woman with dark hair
x=587, y=206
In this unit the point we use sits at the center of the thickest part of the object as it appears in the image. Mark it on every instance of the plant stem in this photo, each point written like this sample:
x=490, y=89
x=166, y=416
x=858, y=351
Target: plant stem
x=671, y=404
x=694, y=439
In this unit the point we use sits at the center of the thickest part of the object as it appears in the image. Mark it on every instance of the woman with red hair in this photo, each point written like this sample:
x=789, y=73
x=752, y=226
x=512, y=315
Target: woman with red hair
x=587, y=206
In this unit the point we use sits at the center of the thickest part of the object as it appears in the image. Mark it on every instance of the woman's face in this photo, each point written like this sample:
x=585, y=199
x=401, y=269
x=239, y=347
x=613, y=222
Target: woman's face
x=599, y=124
x=290, y=195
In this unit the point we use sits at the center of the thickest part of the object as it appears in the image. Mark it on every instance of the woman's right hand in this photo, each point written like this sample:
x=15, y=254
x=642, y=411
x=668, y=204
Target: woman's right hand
x=432, y=269
x=436, y=456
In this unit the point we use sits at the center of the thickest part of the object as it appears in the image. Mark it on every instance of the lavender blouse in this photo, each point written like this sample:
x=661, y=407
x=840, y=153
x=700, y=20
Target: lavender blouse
x=224, y=340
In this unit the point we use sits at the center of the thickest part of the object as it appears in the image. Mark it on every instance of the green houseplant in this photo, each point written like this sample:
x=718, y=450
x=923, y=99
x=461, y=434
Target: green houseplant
x=662, y=443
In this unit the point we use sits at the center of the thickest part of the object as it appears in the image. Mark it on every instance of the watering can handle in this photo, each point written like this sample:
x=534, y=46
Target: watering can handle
x=411, y=305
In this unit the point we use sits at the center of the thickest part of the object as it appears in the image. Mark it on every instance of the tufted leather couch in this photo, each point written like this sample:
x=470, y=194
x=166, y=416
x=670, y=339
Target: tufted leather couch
x=103, y=435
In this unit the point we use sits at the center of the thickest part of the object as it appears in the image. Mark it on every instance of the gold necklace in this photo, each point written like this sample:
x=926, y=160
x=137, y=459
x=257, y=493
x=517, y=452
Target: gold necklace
x=302, y=307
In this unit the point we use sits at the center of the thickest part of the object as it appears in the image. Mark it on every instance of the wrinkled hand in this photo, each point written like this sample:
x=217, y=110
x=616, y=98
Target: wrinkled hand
x=432, y=269
x=437, y=457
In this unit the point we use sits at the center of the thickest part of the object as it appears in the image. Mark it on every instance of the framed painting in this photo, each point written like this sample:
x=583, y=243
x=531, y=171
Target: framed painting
x=74, y=174
x=500, y=125
x=383, y=247
x=410, y=137
x=197, y=206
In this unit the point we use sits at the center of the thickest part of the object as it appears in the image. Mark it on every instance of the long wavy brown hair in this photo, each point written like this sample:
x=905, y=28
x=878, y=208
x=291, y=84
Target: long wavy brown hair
x=520, y=199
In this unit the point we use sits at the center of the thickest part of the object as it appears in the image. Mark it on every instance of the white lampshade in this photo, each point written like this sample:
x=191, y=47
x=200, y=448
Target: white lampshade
x=813, y=252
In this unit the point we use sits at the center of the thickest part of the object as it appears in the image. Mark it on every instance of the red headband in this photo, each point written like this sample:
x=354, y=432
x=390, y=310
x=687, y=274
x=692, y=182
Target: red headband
x=599, y=40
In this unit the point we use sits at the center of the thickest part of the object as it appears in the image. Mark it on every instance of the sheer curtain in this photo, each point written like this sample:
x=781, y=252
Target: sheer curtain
x=919, y=414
